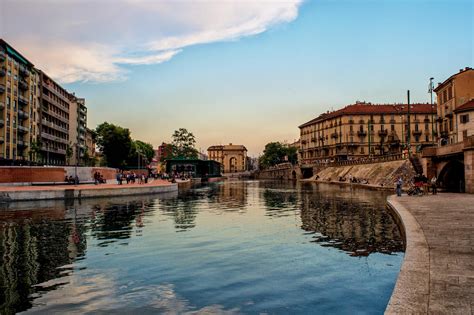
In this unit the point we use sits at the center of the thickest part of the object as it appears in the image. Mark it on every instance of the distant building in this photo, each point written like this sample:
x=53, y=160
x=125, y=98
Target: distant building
x=232, y=157
x=455, y=92
x=365, y=129
x=90, y=144
x=77, y=129
x=163, y=152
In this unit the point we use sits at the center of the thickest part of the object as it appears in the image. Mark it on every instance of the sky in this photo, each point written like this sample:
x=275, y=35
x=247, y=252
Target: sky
x=242, y=72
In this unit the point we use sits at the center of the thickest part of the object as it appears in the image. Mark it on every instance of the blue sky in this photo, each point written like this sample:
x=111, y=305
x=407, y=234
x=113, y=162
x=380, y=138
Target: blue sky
x=242, y=72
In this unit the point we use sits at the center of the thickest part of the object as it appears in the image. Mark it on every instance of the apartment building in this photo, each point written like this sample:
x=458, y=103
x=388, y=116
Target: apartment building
x=365, y=129
x=453, y=93
x=77, y=130
x=18, y=105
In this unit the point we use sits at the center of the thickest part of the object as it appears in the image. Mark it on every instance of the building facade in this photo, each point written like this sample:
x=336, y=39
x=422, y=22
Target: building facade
x=365, y=129
x=453, y=93
x=233, y=158
x=77, y=130
x=18, y=105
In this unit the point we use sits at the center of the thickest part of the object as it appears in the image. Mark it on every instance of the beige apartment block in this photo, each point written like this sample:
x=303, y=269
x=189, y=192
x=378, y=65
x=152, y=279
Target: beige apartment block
x=365, y=129
x=232, y=157
x=77, y=130
x=453, y=93
x=18, y=104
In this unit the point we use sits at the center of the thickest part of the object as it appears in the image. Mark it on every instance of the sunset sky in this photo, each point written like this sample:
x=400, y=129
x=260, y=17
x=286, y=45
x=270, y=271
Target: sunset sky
x=246, y=72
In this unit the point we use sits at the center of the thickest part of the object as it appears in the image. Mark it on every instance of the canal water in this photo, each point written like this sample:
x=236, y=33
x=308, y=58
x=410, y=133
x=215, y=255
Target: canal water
x=236, y=247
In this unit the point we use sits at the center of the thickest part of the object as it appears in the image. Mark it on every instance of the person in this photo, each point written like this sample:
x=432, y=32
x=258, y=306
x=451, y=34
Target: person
x=76, y=180
x=119, y=178
x=433, y=185
x=399, y=184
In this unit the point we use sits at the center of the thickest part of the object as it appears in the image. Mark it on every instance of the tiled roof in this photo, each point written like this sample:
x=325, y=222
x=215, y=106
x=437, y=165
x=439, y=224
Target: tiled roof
x=465, y=107
x=376, y=109
x=441, y=85
x=233, y=147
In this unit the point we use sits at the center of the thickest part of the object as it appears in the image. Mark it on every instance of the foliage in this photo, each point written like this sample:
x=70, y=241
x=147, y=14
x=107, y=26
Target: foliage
x=115, y=143
x=183, y=145
x=35, y=150
x=69, y=152
x=276, y=152
x=140, y=151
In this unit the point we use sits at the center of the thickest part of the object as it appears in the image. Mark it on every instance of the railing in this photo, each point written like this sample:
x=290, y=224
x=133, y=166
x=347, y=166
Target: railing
x=22, y=143
x=24, y=71
x=22, y=99
x=3, y=72
x=361, y=133
x=2, y=105
x=329, y=161
x=23, y=114
x=2, y=139
x=22, y=129
x=2, y=55
x=383, y=133
x=2, y=122
x=2, y=88
x=53, y=138
x=55, y=103
x=23, y=85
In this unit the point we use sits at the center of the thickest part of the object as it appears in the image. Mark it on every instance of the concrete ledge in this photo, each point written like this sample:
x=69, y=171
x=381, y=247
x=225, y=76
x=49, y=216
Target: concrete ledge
x=411, y=292
x=78, y=192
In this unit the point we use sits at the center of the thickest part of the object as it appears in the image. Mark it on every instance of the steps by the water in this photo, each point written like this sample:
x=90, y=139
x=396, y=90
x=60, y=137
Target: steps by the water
x=415, y=161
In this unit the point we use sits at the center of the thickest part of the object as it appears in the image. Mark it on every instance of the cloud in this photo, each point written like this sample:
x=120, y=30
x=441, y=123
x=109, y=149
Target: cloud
x=85, y=40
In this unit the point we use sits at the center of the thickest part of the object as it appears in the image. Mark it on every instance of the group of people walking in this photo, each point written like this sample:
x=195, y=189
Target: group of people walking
x=132, y=178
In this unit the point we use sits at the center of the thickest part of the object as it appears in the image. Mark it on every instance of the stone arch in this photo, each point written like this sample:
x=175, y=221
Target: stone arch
x=452, y=177
x=233, y=164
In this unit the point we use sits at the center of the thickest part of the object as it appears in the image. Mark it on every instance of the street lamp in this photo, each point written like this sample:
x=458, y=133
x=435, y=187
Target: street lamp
x=430, y=90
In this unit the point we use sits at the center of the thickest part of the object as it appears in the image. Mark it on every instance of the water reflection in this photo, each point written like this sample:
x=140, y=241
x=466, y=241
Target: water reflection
x=237, y=244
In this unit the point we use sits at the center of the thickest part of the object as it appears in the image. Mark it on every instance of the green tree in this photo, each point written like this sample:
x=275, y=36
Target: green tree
x=115, y=143
x=69, y=152
x=276, y=152
x=140, y=151
x=183, y=144
x=35, y=150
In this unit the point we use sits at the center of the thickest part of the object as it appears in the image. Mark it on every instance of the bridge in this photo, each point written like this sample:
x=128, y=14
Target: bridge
x=452, y=164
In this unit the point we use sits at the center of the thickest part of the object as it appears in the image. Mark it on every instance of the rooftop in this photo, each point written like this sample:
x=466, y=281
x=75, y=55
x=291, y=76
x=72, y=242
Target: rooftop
x=468, y=106
x=441, y=85
x=363, y=108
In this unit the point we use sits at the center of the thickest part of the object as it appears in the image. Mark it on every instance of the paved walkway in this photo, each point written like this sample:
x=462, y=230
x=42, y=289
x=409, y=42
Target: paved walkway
x=437, y=275
x=152, y=183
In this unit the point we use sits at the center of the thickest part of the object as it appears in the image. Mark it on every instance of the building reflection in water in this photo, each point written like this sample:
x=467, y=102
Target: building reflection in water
x=41, y=241
x=355, y=221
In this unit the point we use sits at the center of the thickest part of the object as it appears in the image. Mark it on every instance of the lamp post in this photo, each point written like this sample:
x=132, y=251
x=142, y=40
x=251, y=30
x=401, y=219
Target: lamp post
x=430, y=90
x=75, y=166
x=408, y=124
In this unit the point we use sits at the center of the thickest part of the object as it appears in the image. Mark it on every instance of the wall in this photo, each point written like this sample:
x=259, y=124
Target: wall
x=87, y=173
x=23, y=174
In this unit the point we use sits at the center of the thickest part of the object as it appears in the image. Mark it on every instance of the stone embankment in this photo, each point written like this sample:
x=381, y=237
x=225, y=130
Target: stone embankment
x=437, y=274
x=24, y=193
x=380, y=174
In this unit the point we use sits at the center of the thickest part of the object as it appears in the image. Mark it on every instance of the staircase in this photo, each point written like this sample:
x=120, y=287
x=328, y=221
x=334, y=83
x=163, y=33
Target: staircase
x=415, y=161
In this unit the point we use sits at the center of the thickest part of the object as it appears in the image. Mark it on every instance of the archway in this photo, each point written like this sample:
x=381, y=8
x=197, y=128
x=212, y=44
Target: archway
x=452, y=177
x=293, y=175
x=233, y=164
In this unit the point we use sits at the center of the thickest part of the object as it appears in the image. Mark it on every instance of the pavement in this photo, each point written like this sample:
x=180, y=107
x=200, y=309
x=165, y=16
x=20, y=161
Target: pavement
x=437, y=275
x=152, y=183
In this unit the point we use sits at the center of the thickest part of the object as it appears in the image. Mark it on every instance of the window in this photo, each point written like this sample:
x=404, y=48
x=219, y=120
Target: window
x=450, y=92
x=464, y=118
x=392, y=127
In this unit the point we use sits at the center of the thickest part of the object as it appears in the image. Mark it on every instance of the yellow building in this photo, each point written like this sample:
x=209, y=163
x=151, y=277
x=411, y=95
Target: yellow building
x=453, y=93
x=232, y=157
x=19, y=104
x=365, y=129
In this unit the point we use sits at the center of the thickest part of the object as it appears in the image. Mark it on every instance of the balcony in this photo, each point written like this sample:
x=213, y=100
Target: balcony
x=2, y=88
x=417, y=132
x=2, y=139
x=53, y=138
x=351, y=121
x=2, y=105
x=303, y=141
x=383, y=133
x=313, y=139
x=334, y=135
x=22, y=129
x=22, y=100
x=23, y=114
x=392, y=121
x=449, y=115
x=352, y=144
x=2, y=122
x=362, y=133
x=2, y=55
x=3, y=71
x=24, y=71
x=23, y=85
x=361, y=122
x=22, y=144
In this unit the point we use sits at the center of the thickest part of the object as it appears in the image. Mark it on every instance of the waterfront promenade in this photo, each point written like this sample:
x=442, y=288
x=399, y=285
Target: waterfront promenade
x=437, y=275
x=45, y=192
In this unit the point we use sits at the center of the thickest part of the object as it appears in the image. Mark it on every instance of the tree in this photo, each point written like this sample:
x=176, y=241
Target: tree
x=140, y=151
x=69, y=152
x=276, y=152
x=114, y=142
x=35, y=150
x=183, y=144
